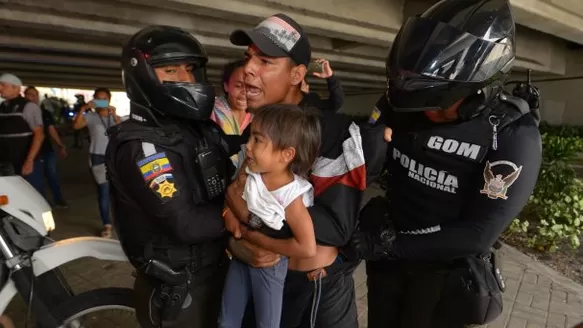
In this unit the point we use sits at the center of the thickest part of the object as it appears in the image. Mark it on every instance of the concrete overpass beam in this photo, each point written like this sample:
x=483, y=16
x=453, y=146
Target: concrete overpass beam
x=562, y=18
x=373, y=21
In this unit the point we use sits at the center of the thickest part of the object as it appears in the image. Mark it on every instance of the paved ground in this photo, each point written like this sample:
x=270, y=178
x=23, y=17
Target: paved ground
x=536, y=296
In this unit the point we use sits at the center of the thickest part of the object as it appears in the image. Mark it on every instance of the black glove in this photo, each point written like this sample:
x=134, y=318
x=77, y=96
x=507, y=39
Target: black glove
x=372, y=246
x=374, y=236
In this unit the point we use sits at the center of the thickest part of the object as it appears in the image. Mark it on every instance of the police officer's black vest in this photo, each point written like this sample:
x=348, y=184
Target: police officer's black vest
x=168, y=138
x=435, y=168
x=15, y=133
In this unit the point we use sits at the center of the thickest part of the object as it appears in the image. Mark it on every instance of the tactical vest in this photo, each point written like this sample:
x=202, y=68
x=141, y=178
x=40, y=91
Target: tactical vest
x=169, y=139
x=433, y=168
x=15, y=133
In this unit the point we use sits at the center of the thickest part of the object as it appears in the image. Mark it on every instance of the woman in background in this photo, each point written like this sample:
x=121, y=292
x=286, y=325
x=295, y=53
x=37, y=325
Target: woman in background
x=230, y=111
x=98, y=122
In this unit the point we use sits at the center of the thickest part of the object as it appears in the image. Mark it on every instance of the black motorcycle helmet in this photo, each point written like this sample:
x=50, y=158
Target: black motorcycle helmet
x=156, y=46
x=456, y=49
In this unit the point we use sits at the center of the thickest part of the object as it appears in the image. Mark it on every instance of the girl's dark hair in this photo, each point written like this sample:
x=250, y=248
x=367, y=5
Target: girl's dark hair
x=289, y=126
x=229, y=69
x=104, y=90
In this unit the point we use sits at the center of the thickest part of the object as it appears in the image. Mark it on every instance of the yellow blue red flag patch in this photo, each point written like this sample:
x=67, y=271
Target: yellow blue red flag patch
x=374, y=116
x=153, y=166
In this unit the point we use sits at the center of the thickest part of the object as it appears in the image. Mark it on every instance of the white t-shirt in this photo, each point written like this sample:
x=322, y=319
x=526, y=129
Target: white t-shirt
x=97, y=126
x=270, y=205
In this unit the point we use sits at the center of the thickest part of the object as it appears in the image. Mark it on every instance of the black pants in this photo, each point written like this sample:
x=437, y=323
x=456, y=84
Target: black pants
x=336, y=306
x=206, y=290
x=403, y=296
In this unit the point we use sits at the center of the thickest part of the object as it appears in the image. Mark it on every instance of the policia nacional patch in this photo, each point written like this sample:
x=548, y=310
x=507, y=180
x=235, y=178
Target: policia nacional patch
x=156, y=170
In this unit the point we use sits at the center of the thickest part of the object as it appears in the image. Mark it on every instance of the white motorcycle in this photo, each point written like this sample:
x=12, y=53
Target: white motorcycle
x=29, y=260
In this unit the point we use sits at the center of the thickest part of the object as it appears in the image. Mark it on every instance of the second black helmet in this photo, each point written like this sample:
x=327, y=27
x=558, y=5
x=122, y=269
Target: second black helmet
x=452, y=51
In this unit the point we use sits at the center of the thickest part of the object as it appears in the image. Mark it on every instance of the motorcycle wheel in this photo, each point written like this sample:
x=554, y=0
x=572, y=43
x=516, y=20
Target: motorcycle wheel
x=79, y=310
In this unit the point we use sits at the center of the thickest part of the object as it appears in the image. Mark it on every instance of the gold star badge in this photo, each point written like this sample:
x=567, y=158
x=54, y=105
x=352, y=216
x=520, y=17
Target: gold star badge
x=166, y=189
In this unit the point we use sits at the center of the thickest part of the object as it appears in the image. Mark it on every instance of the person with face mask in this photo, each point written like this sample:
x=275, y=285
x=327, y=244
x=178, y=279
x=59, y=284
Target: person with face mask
x=97, y=123
x=168, y=167
x=464, y=157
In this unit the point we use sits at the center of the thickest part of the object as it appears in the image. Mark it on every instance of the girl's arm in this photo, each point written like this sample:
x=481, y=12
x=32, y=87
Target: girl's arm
x=302, y=245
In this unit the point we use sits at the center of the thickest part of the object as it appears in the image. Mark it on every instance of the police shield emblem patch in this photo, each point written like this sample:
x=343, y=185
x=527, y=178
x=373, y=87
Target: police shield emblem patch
x=496, y=186
x=163, y=187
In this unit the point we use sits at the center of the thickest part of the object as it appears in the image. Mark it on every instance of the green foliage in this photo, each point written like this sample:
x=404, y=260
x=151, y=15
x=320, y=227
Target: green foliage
x=554, y=212
x=560, y=148
x=561, y=130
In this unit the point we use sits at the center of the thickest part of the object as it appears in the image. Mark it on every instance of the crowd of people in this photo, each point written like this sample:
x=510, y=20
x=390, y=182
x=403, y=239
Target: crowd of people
x=255, y=196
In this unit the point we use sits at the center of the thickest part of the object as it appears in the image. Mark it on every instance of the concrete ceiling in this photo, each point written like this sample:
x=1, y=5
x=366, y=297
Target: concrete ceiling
x=77, y=43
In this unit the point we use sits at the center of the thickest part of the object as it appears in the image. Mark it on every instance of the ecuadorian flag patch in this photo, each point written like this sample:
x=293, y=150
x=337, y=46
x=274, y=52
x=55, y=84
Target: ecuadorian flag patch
x=153, y=166
x=374, y=116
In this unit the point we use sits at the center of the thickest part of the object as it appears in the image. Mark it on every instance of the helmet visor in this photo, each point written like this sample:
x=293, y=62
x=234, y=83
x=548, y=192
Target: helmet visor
x=440, y=51
x=188, y=100
x=175, y=58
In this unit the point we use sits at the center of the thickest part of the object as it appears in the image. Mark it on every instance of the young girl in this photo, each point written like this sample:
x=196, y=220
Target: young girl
x=283, y=145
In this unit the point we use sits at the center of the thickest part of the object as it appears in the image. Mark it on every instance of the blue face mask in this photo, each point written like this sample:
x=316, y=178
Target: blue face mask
x=101, y=103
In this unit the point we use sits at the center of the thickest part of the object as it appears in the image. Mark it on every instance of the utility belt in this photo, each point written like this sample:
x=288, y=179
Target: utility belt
x=472, y=285
x=195, y=257
x=173, y=270
x=473, y=288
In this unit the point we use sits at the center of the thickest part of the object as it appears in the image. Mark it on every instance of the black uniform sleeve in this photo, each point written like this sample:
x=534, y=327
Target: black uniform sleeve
x=335, y=99
x=168, y=197
x=235, y=141
x=499, y=194
x=380, y=114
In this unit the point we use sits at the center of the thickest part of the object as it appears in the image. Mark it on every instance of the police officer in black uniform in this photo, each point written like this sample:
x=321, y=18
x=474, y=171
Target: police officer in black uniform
x=463, y=160
x=168, y=167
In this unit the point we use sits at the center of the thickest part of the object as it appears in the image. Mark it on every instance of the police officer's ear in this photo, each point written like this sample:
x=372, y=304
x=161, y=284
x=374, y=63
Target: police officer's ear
x=298, y=73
